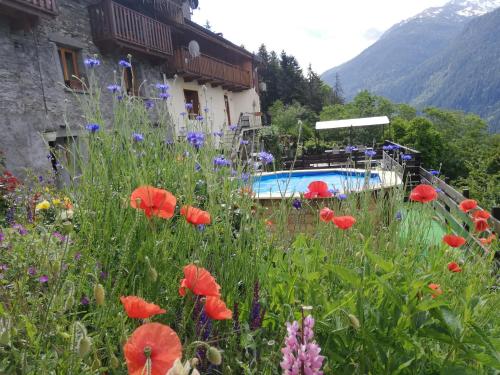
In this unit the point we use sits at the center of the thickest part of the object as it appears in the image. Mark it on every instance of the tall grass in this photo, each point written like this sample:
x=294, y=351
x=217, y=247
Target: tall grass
x=368, y=286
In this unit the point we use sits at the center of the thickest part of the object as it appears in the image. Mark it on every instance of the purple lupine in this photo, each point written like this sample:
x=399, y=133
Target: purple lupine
x=196, y=139
x=256, y=313
x=301, y=353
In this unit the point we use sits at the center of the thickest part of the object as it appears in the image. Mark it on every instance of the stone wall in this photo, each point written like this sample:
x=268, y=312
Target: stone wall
x=35, y=105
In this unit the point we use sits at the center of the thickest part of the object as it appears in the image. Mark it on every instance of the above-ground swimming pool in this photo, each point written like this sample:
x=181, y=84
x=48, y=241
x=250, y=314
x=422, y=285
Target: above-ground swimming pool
x=287, y=184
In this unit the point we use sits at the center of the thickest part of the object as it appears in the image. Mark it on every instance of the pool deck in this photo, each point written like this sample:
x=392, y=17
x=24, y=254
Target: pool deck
x=388, y=179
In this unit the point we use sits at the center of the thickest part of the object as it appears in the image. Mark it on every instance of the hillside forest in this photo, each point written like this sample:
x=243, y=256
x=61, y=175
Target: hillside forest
x=457, y=144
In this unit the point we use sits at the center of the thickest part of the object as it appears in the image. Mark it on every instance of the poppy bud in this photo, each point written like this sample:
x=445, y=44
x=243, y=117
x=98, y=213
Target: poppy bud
x=67, y=228
x=152, y=273
x=96, y=364
x=214, y=356
x=84, y=346
x=99, y=294
x=114, y=362
x=354, y=321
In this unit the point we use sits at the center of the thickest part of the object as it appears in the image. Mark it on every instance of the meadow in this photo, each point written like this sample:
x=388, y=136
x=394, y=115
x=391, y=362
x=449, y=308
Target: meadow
x=157, y=251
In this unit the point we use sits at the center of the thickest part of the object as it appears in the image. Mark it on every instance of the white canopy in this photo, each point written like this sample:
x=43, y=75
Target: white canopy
x=354, y=122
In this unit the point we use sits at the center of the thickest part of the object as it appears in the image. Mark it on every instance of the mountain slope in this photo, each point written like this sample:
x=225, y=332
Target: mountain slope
x=444, y=57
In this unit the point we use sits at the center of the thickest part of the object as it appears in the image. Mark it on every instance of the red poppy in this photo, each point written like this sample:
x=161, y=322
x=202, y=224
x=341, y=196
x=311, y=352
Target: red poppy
x=199, y=281
x=454, y=267
x=481, y=225
x=488, y=240
x=423, y=193
x=137, y=308
x=326, y=214
x=154, y=346
x=216, y=309
x=344, y=222
x=436, y=288
x=454, y=241
x=467, y=205
x=481, y=214
x=269, y=223
x=153, y=201
x=317, y=189
x=195, y=215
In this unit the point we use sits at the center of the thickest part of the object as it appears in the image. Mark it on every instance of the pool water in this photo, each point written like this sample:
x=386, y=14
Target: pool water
x=290, y=183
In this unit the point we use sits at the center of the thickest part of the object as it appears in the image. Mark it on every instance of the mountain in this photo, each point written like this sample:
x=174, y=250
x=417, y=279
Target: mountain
x=447, y=56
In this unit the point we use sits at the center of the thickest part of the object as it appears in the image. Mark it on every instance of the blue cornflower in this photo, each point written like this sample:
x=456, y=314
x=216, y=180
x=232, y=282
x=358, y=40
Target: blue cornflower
x=233, y=127
x=266, y=158
x=219, y=134
x=200, y=227
x=434, y=172
x=164, y=95
x=244, y=143
x=189, y=106
x=406, y=157
x=438, y=190
x=221, y=161
x=199, y=118
x=92, y=62
x=245, y=177
x=162, y=86
x=169, y=141
x=350, y=149
x=119, y=97
x=206, y=109
x=342, y=197
x=125, y=64
x=92, y=127
x=370, y=153
x=196, y=139
x=399, y=216
x=138, y=137
x=149, y=104
x=388, y=148
x=334, y=191
x=297, y=204
x=114, y=88
x=197, y=167
x=183, y=114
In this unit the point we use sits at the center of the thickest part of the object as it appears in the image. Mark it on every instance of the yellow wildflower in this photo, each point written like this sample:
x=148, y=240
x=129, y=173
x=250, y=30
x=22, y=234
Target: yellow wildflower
x=56, y=202
x=44, y=205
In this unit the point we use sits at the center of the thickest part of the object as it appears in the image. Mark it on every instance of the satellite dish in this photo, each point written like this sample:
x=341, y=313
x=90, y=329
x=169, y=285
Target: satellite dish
x=194, y=48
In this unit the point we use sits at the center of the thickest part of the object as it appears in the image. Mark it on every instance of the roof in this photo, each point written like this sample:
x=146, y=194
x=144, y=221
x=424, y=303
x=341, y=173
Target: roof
x=210, y=35
x=354, y=122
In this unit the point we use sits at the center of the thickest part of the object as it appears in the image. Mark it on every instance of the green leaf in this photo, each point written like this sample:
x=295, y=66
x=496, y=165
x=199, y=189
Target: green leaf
x=403, y=366
x=346, y=275
x=379, y=261
x=30, y=329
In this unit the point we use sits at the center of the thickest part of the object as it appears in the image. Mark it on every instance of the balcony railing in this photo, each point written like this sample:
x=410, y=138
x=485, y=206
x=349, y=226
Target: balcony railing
x=209, y=69
x=113, y=23
x=31, y=6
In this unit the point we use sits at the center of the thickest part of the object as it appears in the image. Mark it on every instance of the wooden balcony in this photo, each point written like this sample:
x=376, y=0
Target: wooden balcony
x=29, y=7
x=114, y=24
x=207, y=69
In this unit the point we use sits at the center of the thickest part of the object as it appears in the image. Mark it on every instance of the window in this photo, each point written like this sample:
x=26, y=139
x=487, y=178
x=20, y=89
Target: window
x=69, y=64
x=191, y=96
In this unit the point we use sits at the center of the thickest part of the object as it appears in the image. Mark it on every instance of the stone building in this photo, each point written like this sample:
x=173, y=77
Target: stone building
x=43, y=46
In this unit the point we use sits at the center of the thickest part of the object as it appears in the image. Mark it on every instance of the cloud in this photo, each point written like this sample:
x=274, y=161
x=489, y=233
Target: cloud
x=372, y=34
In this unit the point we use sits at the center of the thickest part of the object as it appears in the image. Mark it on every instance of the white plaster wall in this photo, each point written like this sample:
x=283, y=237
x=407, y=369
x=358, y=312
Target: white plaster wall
x=211, y=98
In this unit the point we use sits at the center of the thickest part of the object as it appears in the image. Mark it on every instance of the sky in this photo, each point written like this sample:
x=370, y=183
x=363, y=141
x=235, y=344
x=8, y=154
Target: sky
x=324, y=33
